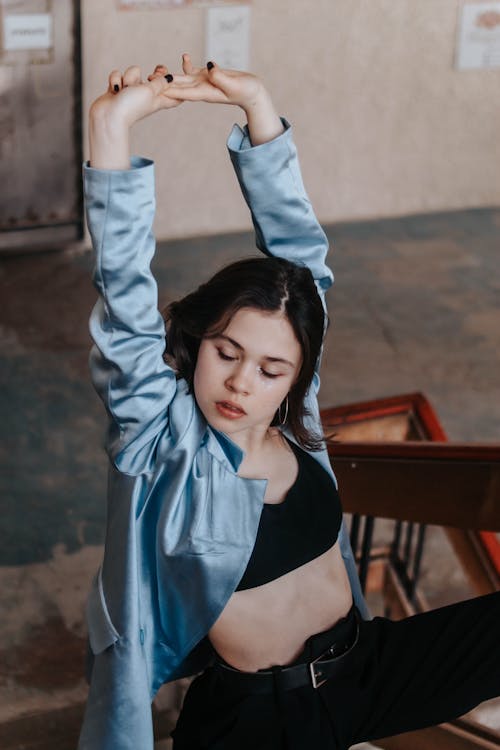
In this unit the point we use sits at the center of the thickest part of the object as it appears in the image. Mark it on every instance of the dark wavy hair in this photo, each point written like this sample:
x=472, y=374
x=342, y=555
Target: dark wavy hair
x=266, y=283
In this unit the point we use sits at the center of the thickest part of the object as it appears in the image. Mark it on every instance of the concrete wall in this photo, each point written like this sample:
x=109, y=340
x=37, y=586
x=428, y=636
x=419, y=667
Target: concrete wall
x=385, y=125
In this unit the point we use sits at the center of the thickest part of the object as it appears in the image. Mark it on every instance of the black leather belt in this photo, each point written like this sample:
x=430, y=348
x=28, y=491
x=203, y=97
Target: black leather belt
x=313, y=673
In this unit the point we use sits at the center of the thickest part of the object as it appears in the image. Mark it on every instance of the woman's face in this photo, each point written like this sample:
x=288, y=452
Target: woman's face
x=243, y=374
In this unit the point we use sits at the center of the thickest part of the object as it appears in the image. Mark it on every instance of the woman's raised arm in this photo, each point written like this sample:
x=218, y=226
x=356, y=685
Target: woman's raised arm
x=265, y=160
x=126, y=361
x=266, y=164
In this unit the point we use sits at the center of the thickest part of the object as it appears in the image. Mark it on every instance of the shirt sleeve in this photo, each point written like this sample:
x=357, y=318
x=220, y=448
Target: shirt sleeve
x=126, y=361
x=272, y=185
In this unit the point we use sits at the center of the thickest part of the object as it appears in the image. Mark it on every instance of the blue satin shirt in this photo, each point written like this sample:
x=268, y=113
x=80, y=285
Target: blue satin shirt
x=181, y=523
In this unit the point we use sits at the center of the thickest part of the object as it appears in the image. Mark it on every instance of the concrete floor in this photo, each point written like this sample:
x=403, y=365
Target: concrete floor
x=415, y=306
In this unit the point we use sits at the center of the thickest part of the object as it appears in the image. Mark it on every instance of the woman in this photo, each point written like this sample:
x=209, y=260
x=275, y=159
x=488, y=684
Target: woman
x=225, y=550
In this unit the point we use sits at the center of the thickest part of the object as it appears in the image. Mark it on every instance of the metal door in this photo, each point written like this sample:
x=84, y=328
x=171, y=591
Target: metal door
x=40, y=116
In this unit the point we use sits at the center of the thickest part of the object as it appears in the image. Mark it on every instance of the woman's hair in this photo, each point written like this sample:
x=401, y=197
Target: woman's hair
x=269, y=284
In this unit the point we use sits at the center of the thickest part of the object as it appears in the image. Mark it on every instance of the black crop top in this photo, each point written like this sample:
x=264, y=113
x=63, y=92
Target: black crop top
x=303, y=526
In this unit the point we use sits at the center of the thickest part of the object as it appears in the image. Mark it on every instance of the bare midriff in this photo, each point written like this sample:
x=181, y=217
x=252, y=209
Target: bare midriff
x=269, y=624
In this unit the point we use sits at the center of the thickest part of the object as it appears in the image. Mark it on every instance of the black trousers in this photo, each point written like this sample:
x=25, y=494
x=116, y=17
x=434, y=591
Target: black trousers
x=401, y=675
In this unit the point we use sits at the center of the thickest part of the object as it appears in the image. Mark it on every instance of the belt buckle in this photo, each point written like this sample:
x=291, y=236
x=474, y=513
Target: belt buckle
x=316, y=683
x=314, y=677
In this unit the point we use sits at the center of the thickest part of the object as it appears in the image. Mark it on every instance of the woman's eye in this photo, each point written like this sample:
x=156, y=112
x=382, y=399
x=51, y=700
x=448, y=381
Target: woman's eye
x=225, y=357
x=268, y=374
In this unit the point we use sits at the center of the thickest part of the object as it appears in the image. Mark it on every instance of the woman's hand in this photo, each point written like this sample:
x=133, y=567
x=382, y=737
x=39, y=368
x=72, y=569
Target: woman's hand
x=127, y=100
x=219, y=86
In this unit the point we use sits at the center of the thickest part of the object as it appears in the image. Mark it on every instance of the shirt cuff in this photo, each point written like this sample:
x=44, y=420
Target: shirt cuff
x=136, y=162
x=239, y=138
x=136, y=183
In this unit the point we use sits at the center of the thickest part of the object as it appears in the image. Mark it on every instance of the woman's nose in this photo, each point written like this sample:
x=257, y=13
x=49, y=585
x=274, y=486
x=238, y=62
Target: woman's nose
x=239, y=380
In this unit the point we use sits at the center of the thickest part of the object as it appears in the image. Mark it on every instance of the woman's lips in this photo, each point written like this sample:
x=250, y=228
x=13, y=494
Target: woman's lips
x=229, y=410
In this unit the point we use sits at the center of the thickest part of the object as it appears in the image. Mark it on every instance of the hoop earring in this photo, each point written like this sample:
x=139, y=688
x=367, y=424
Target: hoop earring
x=282, y=420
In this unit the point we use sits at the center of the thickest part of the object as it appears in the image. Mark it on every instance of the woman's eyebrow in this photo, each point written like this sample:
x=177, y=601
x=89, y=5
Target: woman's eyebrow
x=241, y=348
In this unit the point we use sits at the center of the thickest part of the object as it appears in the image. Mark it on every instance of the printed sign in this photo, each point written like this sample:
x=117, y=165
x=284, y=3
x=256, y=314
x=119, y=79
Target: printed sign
x=479, y=36
x=228, y=37
x=151, y=4
x=158, y=4
x=27, y=31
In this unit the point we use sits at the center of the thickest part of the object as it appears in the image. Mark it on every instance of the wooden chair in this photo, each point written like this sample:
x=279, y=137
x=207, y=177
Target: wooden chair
x=394, y=464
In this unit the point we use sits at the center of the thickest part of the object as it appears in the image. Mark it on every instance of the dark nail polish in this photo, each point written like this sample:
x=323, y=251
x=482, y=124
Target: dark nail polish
x=116, y=87
x=169, y=77
x=210, y=65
